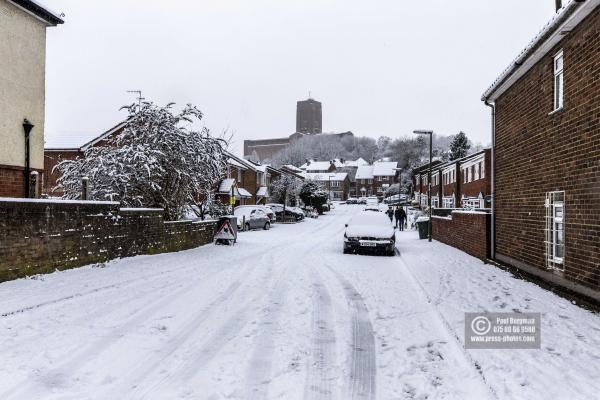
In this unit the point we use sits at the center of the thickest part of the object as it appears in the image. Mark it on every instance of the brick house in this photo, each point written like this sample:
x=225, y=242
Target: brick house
x=374, y=180
x=420, y=184
x=336, y=183
x=22, y=97
x=462, y=183
x=70, y=148
x=546, y=153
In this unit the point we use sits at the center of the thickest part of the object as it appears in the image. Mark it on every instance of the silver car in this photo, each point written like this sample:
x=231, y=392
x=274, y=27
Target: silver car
x=249, y=218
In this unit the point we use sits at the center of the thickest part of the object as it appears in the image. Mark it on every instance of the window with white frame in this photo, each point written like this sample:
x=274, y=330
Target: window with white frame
x=472, y=203
x=335, y=183
x=380, y=178
x=555, y=230
x=482, y=169
x=448, y=202
x=435, y=202
x=370, y=181
x=559, y=82
x=476, y=169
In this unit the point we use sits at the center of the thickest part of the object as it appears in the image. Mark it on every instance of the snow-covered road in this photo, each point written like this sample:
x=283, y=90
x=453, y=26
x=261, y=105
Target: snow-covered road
x=285, y=315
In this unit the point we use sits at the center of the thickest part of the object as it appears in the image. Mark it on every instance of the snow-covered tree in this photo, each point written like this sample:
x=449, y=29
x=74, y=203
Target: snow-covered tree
x=460, y=146
x=313, y=194
x=285, y=188
x=158, y=160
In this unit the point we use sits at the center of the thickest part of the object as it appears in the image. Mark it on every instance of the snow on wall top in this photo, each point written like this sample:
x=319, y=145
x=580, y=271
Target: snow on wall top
x=54, y=201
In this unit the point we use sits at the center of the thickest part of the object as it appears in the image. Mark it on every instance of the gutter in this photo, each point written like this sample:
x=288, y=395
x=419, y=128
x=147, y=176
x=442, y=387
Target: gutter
x=493, y=183
x=537, y=42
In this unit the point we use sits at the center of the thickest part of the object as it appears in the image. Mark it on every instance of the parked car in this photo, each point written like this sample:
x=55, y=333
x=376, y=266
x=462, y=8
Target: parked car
x=352, y=200
x=362, y=200
x=289, y=212
x=270, y=213
x=253, y=218
x=372, y=201
x=370, y=232
x=299, y=212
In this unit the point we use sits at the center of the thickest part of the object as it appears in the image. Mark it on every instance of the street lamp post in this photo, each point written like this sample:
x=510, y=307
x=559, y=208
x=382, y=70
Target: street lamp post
x=430, y=133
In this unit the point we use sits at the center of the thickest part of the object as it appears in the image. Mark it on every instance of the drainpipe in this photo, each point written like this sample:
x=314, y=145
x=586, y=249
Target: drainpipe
x=27, y=127
x=493, y=182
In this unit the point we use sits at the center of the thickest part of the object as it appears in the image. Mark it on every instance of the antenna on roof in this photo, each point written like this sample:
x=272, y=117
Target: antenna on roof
x=139, y=98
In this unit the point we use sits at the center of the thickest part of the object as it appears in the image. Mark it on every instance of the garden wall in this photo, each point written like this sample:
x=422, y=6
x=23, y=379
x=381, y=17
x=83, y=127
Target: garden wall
x=468, y=231
x=39, y=236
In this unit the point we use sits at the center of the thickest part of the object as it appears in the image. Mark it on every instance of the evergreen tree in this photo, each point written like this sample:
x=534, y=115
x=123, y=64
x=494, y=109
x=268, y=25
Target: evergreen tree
x=460, y=146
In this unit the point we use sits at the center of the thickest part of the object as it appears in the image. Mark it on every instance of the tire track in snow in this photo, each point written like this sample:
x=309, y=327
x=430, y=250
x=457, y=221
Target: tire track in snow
x=258, y=375
x=134, y=282
x=187, y=367
x=448, y=328
x=362, y=358
x=79, y=359
x=320, y=374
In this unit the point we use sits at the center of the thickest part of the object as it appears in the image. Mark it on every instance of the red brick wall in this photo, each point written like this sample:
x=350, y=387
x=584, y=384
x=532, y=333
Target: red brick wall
x=538, y=151
x=12, y=181
x=38, y=236
x=51, y=159
x=472, y=189
x=467, y=231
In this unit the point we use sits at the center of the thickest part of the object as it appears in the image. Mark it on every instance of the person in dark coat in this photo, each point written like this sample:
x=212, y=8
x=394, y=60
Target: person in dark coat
x=400, y=215
x=390, y=214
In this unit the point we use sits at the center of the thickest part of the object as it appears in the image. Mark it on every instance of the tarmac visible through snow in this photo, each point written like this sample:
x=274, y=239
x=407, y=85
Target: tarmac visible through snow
x=284, y=314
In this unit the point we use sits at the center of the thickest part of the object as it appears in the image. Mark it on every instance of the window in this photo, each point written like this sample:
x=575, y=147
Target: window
x=559, y=82
x=335, y=183
x=476, y=168
x=370, y=181
x=448, y=202
x=380, y=178
x=472, y=203
x=555, y=230
x=435, y=202
x=482, y=169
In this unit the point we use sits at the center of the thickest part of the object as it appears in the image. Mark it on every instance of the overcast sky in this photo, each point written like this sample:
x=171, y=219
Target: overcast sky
x=381, y=67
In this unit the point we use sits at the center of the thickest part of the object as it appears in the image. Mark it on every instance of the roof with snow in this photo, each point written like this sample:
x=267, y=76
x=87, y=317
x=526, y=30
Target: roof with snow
x=292, y=168
x=563, y=22
x=325, y=177
x=316, y=166
x=41, y=12
x=356, y=163
x=385, y=168
x=364, y=172
x=225, y=186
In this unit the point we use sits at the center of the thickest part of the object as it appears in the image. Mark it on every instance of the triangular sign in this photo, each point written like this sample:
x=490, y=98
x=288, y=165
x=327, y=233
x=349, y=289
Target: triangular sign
x=225, y=232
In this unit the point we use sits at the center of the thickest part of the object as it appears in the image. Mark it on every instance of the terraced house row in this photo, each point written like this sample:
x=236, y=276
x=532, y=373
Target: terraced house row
x=463, y=183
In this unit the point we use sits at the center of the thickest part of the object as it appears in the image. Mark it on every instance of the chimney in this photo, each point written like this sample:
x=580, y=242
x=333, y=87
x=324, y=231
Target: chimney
x=558, y=5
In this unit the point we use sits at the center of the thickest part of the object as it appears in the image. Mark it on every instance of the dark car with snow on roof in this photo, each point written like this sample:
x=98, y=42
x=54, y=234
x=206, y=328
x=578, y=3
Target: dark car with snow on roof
x=370, y=232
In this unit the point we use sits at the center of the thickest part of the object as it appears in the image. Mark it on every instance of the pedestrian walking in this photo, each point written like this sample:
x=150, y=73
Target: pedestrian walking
x=390, y=214
x=400, y=215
